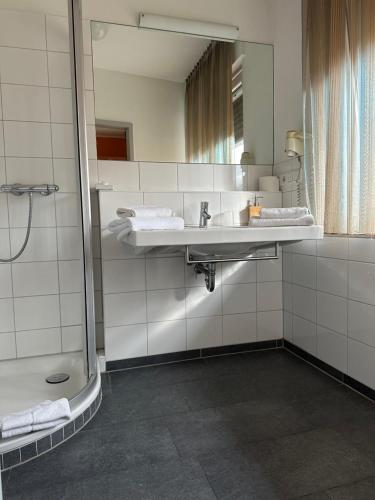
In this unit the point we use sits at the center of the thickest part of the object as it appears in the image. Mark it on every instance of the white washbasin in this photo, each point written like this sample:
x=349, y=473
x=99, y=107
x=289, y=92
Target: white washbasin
x=192, y=235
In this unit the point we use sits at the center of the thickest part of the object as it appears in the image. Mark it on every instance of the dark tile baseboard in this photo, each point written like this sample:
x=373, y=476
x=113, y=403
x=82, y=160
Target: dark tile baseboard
x=333, y=372
x=173, y=357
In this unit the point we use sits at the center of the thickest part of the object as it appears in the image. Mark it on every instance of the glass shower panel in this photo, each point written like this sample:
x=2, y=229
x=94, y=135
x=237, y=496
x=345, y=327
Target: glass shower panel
x=42, y=291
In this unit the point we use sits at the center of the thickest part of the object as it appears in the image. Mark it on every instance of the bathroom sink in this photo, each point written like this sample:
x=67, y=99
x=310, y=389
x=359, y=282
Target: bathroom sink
x=194, y=235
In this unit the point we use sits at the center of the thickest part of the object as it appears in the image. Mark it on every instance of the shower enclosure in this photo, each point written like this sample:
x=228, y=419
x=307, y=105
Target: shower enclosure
x=47, y=317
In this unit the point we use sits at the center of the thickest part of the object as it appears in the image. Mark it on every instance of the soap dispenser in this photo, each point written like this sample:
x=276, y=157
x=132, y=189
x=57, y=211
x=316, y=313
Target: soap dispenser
x=254, y=210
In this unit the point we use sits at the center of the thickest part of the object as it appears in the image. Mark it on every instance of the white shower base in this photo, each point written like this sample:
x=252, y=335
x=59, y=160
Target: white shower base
x=23, y=385
x=22, y=381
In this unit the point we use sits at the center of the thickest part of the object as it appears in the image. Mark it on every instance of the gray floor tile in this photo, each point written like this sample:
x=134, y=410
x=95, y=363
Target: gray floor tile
x=307, y=462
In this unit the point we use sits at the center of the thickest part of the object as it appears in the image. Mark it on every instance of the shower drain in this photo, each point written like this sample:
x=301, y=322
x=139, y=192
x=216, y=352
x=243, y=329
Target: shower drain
x=57, y=378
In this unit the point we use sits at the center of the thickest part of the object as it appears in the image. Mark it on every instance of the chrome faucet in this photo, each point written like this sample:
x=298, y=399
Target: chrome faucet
x=204, y=215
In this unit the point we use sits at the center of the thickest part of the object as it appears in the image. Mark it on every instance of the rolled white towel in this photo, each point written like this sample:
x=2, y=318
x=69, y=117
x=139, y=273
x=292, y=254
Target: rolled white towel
x=144, y=211
x=125, y=226
x=306, y=220
x=46, y=412
x=283, y=213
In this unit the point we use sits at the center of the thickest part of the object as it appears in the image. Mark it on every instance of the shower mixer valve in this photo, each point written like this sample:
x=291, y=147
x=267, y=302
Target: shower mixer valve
x=19, y=189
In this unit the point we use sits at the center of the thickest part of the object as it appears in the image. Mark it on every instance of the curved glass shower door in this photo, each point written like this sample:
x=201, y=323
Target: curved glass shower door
x=46, y=292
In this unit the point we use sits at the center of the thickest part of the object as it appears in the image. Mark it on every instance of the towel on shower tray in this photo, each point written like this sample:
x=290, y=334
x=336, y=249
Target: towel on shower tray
x=43, y=416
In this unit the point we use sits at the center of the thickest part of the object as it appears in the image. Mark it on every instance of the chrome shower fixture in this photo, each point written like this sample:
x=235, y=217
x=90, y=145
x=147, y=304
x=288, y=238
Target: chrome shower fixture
x=20, y=189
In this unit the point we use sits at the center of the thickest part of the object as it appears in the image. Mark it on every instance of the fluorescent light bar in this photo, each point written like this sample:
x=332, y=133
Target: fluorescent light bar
x=204, y=29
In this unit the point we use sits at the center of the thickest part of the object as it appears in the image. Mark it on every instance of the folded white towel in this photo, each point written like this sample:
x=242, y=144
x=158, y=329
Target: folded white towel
x=144, y=211
x=45, y=415
x=283, y=213
x=127, y=225
x=306, y=220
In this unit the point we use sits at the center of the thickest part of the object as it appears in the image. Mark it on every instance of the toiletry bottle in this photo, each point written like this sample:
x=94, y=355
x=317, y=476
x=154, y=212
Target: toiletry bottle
x=254, y=210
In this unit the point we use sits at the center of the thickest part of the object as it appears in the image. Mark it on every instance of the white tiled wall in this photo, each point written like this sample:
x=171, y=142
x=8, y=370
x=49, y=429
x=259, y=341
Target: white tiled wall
x=41, y=304
x=157, y=304
x=329, y=295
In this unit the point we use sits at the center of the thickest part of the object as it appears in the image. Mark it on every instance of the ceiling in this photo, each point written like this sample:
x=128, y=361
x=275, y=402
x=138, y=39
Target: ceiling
x=149, y=53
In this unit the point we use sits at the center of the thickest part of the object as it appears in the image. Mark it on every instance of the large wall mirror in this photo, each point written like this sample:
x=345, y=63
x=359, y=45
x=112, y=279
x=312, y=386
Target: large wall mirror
x=170, y=97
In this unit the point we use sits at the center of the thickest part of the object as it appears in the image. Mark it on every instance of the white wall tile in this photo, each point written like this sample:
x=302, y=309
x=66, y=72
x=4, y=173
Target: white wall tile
x=239, y=272
x=122, y=175
x=57, y=28
x=362, y=282
x=59, y=70
x=269, y=200
x=61, y=105
x=69, y=241
x=269, y=296
x=6, y=315
x=72, y=309
x=8, y=345
x=361, y=363
x=33, y=313
x=361, y=321
x=67, y=209
x=304, y=270
x=40, y=247
x=91, y=142
x=174, y=201
x=332, y=348
x=204, y=332
x=88, y=73
x=230, y=177
x=23, y=66
x=4, y=222
x=165, y=273
x=157, y=177
x=90, y=107
x=237, y=202
x=25, y=103
x=72, y=338
x=362, y=249
x=112, y=249
x=332, y=312
x=195, y=177
x=332, y=276
x=29, y=170
x=333, y=247
x=65, y=175
x=62, y=140
x=304, y=302
x=4, y=242
x=270, y=270
x=122, y=342
x=124, y=276
x=239, y=298
x=164, y=305
x=70, y=276
x=239, y=328
x=22, y=29
x=192, y=202
x=269, y=325
x=201, y=302
x=288, y=296
x=305, y=247
x=304, y=334
x=87, y=49
x=5, y=281
x=1, y=139
x=27, y=139
x=35, y=278
x=166, y=336
x=125, y=308
x=288, y=326
x=38, y=342
x=43, y=211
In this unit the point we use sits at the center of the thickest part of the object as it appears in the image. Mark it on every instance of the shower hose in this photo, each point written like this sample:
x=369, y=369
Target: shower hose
x=22, y=249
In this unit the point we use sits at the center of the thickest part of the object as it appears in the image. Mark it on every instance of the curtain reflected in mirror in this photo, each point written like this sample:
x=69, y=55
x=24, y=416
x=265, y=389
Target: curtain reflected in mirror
x=209, y=129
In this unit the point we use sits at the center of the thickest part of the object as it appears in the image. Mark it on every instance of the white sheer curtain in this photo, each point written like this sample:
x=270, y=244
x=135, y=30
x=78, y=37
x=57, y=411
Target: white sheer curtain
x=339, y=113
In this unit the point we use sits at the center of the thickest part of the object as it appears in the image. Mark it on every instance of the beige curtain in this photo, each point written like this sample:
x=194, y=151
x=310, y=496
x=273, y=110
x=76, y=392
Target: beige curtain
x=209, y=127
x=339, y=113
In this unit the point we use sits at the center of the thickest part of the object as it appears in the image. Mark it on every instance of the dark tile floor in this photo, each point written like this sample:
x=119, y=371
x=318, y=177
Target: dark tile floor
x=263, y=425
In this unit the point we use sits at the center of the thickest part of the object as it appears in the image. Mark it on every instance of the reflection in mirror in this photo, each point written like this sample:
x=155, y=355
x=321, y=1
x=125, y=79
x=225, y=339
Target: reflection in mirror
x=171, y=97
